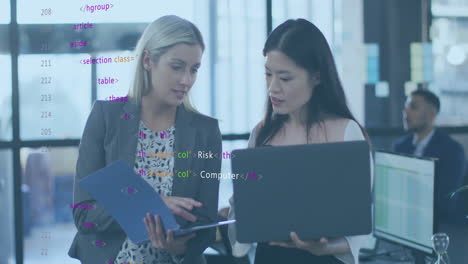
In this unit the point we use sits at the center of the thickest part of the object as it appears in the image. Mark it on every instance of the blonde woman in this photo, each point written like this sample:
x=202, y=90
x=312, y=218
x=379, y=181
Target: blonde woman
x=158, y=118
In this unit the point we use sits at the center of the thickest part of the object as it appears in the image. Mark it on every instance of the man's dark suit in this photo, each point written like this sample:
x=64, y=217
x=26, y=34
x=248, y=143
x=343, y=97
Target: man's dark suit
x=450, y=171
x=109, y=136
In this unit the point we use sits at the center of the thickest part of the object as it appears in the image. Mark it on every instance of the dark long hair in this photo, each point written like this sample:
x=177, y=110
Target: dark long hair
x=305, y=44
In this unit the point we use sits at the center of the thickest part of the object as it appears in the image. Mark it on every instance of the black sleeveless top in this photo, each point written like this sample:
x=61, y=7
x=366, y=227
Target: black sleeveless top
x=266, y=254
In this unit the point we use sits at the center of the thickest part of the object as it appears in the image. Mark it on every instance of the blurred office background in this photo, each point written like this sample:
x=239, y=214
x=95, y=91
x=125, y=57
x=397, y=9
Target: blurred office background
x=46, y=94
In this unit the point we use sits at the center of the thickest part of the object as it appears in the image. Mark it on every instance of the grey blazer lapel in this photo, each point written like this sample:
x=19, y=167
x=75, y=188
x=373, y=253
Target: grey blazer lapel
x=128, y=133
x=184, y=141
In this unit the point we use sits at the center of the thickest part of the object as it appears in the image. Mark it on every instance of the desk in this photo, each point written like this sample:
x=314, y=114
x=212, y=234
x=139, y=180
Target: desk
x=390, y=253
x=379, y=261
x=458, y=245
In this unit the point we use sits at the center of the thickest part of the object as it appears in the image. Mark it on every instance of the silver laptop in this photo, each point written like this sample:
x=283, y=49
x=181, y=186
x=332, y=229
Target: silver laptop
x=316, y=190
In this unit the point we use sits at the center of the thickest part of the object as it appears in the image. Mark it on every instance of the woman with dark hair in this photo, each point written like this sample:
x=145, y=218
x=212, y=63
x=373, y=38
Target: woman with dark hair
x=306, y=105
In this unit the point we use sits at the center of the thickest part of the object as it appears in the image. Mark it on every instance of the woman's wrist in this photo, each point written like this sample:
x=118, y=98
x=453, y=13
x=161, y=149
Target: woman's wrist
x=176, y=252
x=178, y=258
x=337, y=246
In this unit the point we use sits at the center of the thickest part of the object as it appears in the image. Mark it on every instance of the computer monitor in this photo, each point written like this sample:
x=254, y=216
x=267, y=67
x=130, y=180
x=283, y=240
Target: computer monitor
x=404, y=200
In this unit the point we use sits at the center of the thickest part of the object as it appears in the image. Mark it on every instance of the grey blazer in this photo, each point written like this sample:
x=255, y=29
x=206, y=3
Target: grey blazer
x=110, y=135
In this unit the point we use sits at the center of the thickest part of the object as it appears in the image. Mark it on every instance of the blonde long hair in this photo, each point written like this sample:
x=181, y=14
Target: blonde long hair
x=157, y=39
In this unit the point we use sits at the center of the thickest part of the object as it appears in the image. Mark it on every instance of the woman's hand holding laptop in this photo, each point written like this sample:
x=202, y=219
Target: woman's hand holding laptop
x=316, y=247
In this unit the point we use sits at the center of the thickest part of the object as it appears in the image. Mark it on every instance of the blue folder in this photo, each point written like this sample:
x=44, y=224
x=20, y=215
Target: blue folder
x=128, y=197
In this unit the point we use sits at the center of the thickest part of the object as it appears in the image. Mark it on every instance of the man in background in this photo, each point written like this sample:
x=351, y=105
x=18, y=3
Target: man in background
x=425, y=140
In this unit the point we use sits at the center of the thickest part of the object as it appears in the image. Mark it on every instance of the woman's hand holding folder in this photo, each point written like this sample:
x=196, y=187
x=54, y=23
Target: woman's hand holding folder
x=174, y=246
x=180, y=205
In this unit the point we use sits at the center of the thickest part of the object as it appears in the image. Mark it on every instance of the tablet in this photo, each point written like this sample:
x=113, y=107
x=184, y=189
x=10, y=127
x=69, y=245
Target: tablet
x=127, y=198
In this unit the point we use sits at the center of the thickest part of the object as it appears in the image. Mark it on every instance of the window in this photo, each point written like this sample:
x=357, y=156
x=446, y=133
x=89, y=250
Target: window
x=54, y=101
x=6, y=125
x=47, y=193
x=240, y=90
x=5, y=12
x=450, y=50
x=117, y=11
x=7, y=220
